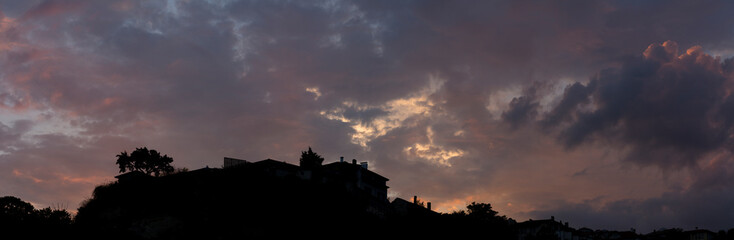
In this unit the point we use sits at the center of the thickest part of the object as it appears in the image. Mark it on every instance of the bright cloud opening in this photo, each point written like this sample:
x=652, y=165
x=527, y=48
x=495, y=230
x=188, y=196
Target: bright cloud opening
x=432, y=152
x=398, y=112
x=315, y=92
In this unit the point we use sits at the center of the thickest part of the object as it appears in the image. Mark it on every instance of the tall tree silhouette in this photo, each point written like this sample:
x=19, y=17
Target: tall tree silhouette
x=146, y=161
x=310, y=159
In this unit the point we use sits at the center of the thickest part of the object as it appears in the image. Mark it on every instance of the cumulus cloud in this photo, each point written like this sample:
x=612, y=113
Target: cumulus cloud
x=669, y=109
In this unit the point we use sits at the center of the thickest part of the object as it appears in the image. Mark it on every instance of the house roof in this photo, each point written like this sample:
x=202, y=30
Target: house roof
x=410, y=208
x=536, y=223
x=345, y=166
x=275, y=163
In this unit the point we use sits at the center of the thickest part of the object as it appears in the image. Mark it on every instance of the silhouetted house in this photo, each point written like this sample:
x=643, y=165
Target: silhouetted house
x=700, y=234
x=282, y=169
x=202, y=171
x=276, y=168
x=352, y=177
x=132, y=176
x=355, y=178
x=627, y=235
x=664, y=234
x=584, y=234
x=402, y=208
x=233, y=162
x=544, y=229
x=605, y=235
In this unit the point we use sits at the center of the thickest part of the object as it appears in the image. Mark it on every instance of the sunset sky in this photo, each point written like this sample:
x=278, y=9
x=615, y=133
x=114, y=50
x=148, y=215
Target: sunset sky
x=607, y=114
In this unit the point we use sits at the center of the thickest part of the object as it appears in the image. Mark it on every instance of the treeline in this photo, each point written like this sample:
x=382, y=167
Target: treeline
x=20, y=220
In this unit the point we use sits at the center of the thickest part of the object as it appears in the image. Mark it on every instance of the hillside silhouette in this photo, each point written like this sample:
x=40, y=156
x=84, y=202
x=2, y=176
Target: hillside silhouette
x=275, y=199
x=264, y=199
x=223, y=203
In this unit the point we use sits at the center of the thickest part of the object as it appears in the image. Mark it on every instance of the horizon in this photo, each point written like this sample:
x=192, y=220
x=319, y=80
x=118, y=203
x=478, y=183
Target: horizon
x=607, y=115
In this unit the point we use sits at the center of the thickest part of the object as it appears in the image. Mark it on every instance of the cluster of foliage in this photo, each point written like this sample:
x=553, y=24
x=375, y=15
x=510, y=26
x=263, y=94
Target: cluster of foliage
x=146, y=161
x=20, y=219
x=310, y=159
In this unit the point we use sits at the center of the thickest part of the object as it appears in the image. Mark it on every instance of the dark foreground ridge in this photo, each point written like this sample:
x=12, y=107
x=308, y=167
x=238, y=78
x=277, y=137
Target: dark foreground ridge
x=267, y=199
x=274, y=199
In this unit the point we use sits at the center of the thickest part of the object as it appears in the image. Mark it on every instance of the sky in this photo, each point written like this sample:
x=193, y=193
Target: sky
x=604, y=114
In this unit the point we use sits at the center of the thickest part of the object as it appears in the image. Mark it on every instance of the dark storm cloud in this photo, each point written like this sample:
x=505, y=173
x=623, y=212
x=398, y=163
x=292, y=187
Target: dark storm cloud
x=574, y=96
x=670, y=108
x=522, y=109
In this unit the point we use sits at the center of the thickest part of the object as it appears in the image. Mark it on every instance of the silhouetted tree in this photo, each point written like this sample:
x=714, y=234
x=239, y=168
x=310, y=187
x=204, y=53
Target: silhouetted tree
x=54, y=216
x=20, y=220
x=146, y=161
x=310, y=159
x=14, y=210
x=482, y=211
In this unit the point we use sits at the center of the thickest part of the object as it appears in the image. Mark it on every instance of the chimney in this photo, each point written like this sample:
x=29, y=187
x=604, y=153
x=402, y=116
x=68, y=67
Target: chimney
x=553, y=218
x=341, y=159
x=415, y=199
x=428, y=205
x=354, y=161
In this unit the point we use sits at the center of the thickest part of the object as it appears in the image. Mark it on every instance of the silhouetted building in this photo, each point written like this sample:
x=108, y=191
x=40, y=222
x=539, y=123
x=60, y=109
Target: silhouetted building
x=700, y=234
x=233, y=162
x=664, y=234
x=355, y=177
x=583, y=234
x=281, y=169
x=544, y=229
x=403, y=208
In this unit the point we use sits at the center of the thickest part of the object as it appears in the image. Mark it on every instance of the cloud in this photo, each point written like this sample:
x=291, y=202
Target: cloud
x=432, y=152
x=669, y=109
x=395, y=113
x=522, y=109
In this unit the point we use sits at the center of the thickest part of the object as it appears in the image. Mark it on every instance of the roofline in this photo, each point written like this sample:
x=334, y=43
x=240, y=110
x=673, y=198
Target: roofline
x=356, y=165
